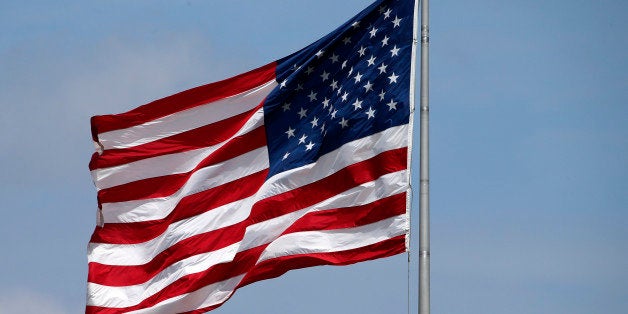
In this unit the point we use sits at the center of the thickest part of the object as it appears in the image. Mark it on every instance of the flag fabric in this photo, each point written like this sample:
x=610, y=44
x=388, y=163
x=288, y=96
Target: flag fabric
x=301, y=162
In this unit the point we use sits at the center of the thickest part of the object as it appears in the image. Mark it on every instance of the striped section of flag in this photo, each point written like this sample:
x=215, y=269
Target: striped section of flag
x=299, y=163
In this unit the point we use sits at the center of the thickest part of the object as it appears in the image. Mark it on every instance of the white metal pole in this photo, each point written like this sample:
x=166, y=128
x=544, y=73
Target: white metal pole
x=424, y=206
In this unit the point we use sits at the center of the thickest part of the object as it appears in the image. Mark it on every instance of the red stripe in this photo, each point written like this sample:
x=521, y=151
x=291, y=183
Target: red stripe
x=144, y=189
x=351, y=217
x=276, y=267
x=348, y=217
x=168, y=185
x=345, y=179
x=189, y=206
x=184, y=100
x=204, y=136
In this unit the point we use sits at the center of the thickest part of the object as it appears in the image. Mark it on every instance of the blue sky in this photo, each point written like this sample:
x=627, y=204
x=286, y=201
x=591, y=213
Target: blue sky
x=529, y=146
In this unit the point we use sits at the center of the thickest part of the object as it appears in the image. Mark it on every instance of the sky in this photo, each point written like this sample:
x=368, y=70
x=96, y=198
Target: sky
x=529, y=146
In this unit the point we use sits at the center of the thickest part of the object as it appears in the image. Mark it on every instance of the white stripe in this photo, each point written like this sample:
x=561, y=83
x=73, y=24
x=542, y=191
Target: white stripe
x=186, y=120
x=210, y=295
x=326, y=241
x=201, y=180
x=257, y=234
x=126, y=296
x=330, y=163
x=166, y=164
x=142, y=253
x=385, y=186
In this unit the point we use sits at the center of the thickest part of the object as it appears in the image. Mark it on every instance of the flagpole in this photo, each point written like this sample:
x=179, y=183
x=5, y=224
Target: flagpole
x=424, y=210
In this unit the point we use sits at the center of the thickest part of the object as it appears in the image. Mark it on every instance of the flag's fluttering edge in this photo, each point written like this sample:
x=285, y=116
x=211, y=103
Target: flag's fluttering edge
x=301, y=162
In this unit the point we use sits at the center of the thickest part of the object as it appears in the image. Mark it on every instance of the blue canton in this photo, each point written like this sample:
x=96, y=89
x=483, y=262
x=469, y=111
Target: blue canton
x=352, y=83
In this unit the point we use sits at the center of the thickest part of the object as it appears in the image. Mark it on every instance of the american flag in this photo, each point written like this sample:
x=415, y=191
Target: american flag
x=301, y=162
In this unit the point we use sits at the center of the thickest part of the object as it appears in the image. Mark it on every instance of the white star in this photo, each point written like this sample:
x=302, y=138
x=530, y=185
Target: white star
x=320, y=53
x=323, y=128
x=344, y=64
x=290, y=132
x=344, y=96
x=283, y=83
x=387, y=14
x=302, y=113
x=344, y=123
x=334, y=58
x=382, y=68
x=368, y=86
x=396, y=22
x=393, y=78
x=302, y=139
x=385, y=41
x=309, y=146
x=371, y=61
x=325, y=76
x=350, y=71
x=370, y=113
x=382, y=9
x=356, y=24
x=362, y=51
x=358, y=77
x=382, y=95
x=357, y=104
x=314, y=122
x=395, y=51
x=347, y=40
x=286, y=156
x=286, y=106
x=339, y=90
x=333, y=114
x=309, y=70
x=373, y=32
x=312, y=96
x=392, y=105
x=325, y=102
x=299, y=87
x=334, y=85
